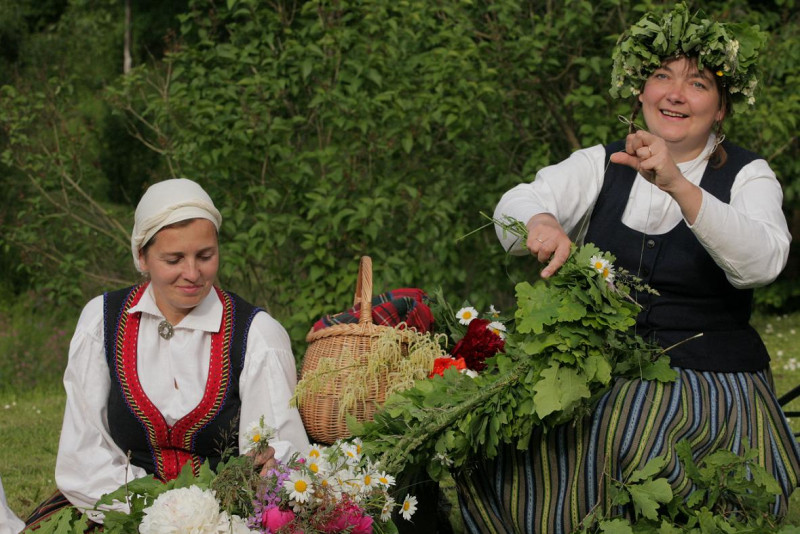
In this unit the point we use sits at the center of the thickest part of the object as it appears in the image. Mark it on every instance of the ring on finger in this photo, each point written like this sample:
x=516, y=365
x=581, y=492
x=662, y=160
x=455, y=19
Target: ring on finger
x=539, y=240
x=650, y=150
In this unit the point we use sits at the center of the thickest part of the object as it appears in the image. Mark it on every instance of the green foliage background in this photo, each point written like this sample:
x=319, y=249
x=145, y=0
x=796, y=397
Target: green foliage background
x=324, y=130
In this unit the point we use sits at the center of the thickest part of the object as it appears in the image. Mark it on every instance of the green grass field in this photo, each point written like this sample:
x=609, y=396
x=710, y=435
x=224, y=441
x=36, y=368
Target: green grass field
x=30, y=418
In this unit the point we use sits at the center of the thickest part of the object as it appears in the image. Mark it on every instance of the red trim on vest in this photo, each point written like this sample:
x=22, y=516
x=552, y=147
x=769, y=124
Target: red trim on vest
x=172, y=446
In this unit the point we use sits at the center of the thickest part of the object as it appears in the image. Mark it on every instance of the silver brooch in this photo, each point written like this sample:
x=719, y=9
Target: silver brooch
x=165, y=329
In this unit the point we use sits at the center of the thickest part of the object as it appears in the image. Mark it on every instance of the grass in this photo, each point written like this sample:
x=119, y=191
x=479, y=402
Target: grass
x=30, y=415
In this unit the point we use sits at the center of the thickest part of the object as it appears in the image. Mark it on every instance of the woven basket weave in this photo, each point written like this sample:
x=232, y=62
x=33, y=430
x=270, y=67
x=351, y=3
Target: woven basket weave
x=320, y=409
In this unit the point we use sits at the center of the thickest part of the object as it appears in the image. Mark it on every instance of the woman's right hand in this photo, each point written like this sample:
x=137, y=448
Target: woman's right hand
x=548, y=241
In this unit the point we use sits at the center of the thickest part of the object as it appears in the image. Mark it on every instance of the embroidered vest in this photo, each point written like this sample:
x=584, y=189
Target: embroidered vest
x=695, y=297
x=135, y=423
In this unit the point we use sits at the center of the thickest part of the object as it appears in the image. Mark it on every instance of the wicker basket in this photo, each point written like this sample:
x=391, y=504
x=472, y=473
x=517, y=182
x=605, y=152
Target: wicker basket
x=320, y=410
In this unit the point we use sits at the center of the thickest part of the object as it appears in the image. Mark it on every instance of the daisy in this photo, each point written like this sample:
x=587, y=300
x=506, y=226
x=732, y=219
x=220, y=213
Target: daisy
x=368, y=480
x=351, y=453
x=299, y=487
x=602, y=266
x=318, y=466
x=315, y=452
x=386, y=512
x=409, y=507
x=384, y=479
x=494, y=312
x=466, y=315
x=257, y=435
x=498, y=328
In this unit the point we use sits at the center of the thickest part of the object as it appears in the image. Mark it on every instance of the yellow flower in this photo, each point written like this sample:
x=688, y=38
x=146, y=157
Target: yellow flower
x=720, y=73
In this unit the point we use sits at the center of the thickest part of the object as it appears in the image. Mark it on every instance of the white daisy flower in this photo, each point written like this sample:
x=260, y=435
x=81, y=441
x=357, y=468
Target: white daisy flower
x=384, y=479
x=498, y=328
x=368, y=481
x=604, y=267
x=494, y=312
x=299, y=487
x=318, y=466
x=351, y=453
x=466, y=315
x=315, y=451
x=409, y=507
x=470, y=373
x=386, y=511
x=257, y=435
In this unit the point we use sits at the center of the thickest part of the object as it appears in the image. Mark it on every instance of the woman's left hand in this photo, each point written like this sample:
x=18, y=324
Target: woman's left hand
x=265, y=460
x=649, y=155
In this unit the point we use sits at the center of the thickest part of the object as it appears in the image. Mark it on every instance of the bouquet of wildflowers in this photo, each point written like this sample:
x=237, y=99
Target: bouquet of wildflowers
x=570, y=338
x=470, y=338
x=330, y=490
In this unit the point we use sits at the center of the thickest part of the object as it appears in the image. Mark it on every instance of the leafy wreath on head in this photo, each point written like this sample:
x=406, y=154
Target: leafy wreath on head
x=729, y=50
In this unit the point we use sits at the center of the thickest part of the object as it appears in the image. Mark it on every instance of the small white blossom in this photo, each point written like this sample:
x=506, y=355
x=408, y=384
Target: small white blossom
x=409, y=507
x=498, y=328
x=386, y=512
x=299, y=487
x=466, y=315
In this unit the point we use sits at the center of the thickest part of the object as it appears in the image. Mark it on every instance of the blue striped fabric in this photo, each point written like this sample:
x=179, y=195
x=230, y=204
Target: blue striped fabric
x=568, y=471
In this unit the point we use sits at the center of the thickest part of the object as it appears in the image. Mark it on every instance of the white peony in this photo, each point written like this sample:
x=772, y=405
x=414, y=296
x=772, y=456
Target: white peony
x=189, y=511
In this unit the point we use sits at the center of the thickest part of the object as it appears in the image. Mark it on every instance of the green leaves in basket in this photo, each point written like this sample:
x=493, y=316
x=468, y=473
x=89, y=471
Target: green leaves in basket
x=571, y=338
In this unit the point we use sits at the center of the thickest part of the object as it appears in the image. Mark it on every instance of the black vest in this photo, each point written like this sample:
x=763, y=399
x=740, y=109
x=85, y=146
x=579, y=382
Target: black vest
x=695, y=297
x=134, y=422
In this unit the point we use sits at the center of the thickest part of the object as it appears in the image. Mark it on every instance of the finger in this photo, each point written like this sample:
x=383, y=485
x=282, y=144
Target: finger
x=269, y=464
x=559, y=257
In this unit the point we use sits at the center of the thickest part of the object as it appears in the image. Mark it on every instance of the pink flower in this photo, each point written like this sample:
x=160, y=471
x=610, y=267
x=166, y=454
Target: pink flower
x=275, y=518
x=349, y=517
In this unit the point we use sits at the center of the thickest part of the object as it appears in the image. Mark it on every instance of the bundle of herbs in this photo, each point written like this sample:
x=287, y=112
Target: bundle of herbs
x=571, y=337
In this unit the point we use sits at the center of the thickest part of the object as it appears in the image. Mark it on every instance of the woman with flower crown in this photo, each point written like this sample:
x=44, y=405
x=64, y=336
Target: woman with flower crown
x=171, y=371
x=699, y=220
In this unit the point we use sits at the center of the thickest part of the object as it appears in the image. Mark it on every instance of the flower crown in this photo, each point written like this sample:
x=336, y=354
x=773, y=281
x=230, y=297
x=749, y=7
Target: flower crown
x=730, y=50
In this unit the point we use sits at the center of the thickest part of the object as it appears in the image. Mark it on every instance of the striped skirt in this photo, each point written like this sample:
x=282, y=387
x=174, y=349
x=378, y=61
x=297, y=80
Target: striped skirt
x=568, y=471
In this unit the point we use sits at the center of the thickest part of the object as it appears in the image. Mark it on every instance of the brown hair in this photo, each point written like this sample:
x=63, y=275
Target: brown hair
x=179, y=224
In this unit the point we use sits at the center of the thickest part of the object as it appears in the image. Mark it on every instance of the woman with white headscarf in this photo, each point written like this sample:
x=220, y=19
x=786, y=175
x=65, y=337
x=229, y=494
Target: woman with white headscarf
x=167, y=370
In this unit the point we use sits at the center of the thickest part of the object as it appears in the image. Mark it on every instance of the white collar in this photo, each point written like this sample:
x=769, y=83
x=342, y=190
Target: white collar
x=206, y=316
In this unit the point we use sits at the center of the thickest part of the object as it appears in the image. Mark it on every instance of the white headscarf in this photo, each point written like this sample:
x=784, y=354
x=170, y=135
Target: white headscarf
x=166, y=203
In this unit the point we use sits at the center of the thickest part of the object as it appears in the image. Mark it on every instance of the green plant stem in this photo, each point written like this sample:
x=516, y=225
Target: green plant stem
x=396, y=458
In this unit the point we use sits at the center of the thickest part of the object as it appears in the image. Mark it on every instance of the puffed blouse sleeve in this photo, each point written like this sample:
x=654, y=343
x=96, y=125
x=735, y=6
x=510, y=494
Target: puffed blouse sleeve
x=267, y=384
x=89, y=463
x=566, y=190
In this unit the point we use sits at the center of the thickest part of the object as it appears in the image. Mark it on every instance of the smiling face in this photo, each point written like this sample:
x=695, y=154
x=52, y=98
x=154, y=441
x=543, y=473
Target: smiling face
x=182, y=262
x=681, y=104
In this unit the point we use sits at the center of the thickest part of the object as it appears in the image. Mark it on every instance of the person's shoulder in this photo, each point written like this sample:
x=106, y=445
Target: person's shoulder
x=262, y=324
x=740, y=155
x=91, y=318
x=266, y=325
x=593, y=153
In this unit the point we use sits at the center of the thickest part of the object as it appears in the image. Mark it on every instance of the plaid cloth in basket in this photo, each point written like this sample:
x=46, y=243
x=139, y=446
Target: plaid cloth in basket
x=389, y=309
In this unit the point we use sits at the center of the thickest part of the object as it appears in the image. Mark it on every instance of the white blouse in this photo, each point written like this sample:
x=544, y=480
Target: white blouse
x=173, y=374
x=9, y=522
x=748, y=238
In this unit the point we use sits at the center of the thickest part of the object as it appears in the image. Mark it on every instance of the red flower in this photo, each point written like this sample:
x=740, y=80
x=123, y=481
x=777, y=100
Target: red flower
x=440, y=364
x=478, y=344
x=349, y=518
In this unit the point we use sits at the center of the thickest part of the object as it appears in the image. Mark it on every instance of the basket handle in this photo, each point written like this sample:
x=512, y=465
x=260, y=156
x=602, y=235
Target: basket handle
x=364, y=290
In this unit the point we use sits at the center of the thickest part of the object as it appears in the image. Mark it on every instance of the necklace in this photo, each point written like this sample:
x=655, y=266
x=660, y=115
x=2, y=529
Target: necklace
x=165, y=329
